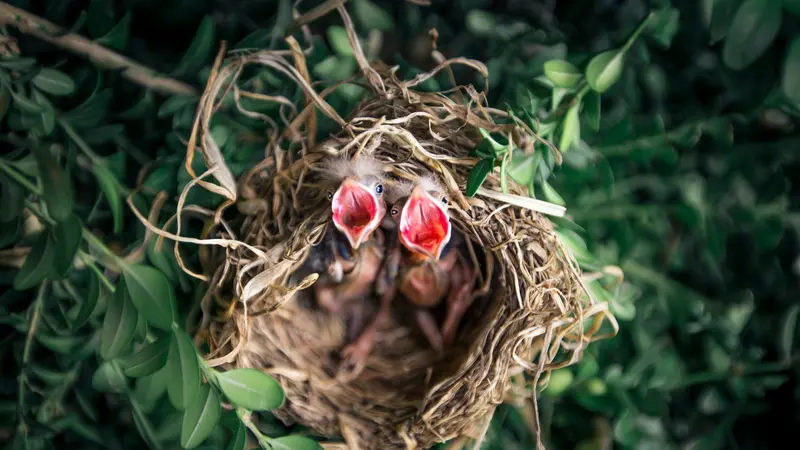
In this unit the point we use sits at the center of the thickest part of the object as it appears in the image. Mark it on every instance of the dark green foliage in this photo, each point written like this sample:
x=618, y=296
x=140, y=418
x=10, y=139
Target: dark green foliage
x=677, y=122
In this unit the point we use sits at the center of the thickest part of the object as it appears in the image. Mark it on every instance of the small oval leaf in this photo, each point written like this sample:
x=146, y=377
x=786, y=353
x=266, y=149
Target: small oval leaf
x=119, y=325
x=199, y=50
x=604, y=70
x=200, y=417
x=790, y=82
x=182, y=369
x=563, y=73
x=56, y=183
x=150, y=359
x=109, y=378
x=38, y=264
x=571, y=131
x=294, y=442
x=753, y=29
x=478, y=175
x=54, y=82
x=591, y=110
x=67, y=239
x=337, y=36
x=151, y=292
x=239, y=438
x=89, y=303
x=251, y=389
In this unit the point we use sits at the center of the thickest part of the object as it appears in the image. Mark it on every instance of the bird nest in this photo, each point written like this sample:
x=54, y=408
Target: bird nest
x=533, y=314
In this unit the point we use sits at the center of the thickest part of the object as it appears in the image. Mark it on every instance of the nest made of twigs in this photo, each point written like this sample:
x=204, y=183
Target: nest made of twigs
x=535, y=315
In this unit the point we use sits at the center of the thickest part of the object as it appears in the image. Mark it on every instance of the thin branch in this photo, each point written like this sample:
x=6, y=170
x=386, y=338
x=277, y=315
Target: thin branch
x=103, y=57
x=26, y=353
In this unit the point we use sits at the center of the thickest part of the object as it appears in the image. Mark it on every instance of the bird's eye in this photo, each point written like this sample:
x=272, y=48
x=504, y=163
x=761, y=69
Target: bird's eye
x=444, y=200
x=394, y=211
x=330, y=195
x=379, y=189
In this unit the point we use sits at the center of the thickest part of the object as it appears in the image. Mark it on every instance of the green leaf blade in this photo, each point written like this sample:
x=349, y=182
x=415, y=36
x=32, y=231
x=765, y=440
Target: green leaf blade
x=183, y=370
x=57, y=186
x=152, y=293
x=199, y=50
x=562, y=73
x=54, y=82
x=200, y=417
x=67, y=237
x=251, y=389
x=755, y=25
x=38, y=264
x=478, y=175
x=119, y=325
x=790, y=80
x=571, y=131
x=148, y=360
x=604, y=70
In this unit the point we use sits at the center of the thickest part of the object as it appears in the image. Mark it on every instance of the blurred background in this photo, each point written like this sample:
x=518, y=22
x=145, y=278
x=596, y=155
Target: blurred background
x=685, y=180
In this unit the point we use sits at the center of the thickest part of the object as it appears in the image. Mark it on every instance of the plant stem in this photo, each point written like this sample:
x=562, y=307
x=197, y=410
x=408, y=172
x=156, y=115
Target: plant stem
x=49, y=32
x=96, y=159
x=26, y=354
x=18, y=177
x=635, y=35
x=244, y=416
x=89, y=261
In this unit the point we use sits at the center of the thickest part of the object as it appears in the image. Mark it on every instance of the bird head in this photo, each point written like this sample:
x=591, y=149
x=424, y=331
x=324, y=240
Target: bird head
x=421, y=215
x=357, y=203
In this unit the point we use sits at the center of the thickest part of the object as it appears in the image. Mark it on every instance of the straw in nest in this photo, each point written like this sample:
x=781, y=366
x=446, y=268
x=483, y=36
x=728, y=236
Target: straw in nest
x=535, y=315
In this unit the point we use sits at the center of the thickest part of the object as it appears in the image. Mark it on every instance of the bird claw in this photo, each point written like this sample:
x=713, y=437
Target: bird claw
x=354, y=358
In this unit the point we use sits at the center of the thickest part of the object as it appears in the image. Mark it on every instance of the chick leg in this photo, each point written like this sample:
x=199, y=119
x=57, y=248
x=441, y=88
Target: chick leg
x=428, y=325
x=356, y=353
x=458, y=302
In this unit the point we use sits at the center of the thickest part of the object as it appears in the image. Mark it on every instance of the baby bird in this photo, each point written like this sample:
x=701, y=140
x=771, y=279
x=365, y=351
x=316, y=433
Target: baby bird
x=432, y=266
x=353, y=250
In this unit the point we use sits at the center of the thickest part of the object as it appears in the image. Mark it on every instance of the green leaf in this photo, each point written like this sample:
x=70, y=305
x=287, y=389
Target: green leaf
x=182, y=369
x=605, y=69
x=38, y=264
x=56, y=183
x=151, y=292
x=664, y=26
x=10, y=232
x=175, y=104
x=337, y=36
x=239, y=438
x=591, y=110
x=481, y=23
x=251, y=389
x=551, y=195
x=571, y=131
x=91, y=111
x=63, y=345
x=560, y=381
x=149, y=359
x=54, y=82
x=67, y=239
x=117, y=38
x=295, y=442
x=478, y=175
x=141, y=109
x=563, y=74
x=788, y=328
x=108, y=184
x=5, y=101
x=18, y=63
x=200, y=49
x=89, y=303
x=371, y=15
x=109, y=378
x=119, y=325
x=150, y=389
x=523, y=167
x=48, y=116
x=752, y=31
x=144, y=426
x=200, y=417
x=25, y=104
x=717, y=15
x=790, y=81
x=575, y=244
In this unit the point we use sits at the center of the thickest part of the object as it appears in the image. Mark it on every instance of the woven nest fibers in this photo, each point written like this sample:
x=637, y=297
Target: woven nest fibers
x=531, y=314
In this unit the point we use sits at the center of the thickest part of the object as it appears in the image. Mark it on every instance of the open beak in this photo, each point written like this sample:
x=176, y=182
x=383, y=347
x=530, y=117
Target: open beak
x=355, y=211
x=424, y=224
